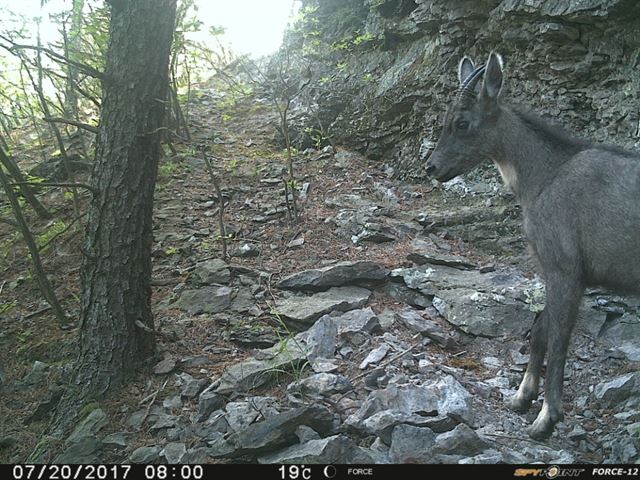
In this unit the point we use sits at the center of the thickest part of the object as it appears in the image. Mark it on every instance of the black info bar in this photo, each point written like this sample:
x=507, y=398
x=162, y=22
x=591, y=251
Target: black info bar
x=308, y=472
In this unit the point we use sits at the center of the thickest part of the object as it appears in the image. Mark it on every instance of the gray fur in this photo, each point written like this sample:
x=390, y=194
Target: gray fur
x=581, y=209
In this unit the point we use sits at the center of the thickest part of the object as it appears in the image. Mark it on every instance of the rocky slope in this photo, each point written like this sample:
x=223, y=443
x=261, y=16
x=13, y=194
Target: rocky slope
x=387, y=67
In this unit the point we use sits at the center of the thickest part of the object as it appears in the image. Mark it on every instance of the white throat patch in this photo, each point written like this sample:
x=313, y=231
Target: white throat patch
x=508, y=174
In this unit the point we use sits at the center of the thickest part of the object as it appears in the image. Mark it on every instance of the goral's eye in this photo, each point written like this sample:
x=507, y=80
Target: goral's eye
x=462, y=125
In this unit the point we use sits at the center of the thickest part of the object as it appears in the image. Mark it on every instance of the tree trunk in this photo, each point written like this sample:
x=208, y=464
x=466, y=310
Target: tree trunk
x=116, y=332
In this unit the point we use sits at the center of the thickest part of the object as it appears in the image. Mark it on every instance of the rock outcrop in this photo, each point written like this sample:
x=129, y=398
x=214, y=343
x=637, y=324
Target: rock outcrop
x=386, y=68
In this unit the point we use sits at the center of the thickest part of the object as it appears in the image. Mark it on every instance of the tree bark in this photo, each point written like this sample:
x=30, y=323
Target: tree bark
x=116, y=331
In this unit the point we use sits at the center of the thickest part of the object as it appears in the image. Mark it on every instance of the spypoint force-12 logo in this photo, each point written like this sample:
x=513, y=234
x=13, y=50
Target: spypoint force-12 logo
x=550, y=472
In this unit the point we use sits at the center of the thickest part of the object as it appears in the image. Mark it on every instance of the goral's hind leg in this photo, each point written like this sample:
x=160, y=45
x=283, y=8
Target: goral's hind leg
x=528, y=391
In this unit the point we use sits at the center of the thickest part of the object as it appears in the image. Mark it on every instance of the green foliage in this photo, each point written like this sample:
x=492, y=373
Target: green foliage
x=52, y=231
x=316, y=135
x=7, y=306
x=24, y=335
x=167, y=169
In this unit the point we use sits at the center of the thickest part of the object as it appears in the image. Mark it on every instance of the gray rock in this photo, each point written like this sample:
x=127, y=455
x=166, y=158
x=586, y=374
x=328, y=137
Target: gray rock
x=416, y=322
x=486, y=304
x=315, y=387
x=163, y=421
x=239, y=415
x=196, y=456
x=340, y=274
x=81, y=452
x=425, y=251
x=165, y=366
x=278, y=431
x=243, y=301
x=149, y=454
x=403, y=294
x=356, y=321
x=216, y=423
x=117, y=440
x=88, y=426
x=212, y=271
x=442, y=398
x=191, y=387
x=375, y=356
x=253, y=373
x=336, y=449
x=247, y=249
x=36, y=375
x=488, y=457
x=45, y=406
x=174, y=452
x=306, y=434
x=304, y=310
x=173, y=402
x=382, y=423
x=623, y=333
x=411, y=444
x=205, y=300
x=618, y=390
x=374, y=233
x=208, y=401
x=462, y=440
x=483, y=314
x=321, y=338
x=194, y=361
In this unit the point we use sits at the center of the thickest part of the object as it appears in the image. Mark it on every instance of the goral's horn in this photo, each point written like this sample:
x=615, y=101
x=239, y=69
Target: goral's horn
x=467, y=87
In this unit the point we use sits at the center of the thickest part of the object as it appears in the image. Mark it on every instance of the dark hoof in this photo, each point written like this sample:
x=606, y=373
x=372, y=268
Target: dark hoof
x=518, y=404
x=544, y=424
x=540, y=433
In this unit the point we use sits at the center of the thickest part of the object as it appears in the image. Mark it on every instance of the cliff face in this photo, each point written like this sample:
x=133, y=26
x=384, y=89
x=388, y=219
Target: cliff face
x=388, y=67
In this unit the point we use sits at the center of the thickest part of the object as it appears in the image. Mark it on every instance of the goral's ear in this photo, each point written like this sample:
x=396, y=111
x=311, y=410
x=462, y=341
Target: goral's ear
x=465, y=68
x=492, y=83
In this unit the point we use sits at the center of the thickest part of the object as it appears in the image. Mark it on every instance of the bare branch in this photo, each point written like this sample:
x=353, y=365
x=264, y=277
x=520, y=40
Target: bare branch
x=84, y=126
x=92, y=72
x=58, y=184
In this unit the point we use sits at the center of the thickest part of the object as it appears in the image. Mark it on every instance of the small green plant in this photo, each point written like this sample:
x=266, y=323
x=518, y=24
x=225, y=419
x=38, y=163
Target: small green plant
x=367, y=77
x=7, y=306
x=24, y=336
x=171, y=251
x=52, y=231
x=316, y=135
x=167, y=169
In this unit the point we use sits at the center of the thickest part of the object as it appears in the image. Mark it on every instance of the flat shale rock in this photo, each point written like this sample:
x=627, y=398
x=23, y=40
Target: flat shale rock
x=445, y=402
x=411, y=444
x=618, y=390
x=149, y=454
x=277, y=432
x=304, y=310
x=426, y=252
x=462, y=440
x=414, y=320
x=174, y=452
x=356, y=321
x=212, y=271
x=254, y=372
x=340, y=274
x=205, y=300
x=484, y=304
x=317, y=386
x=336, y=449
